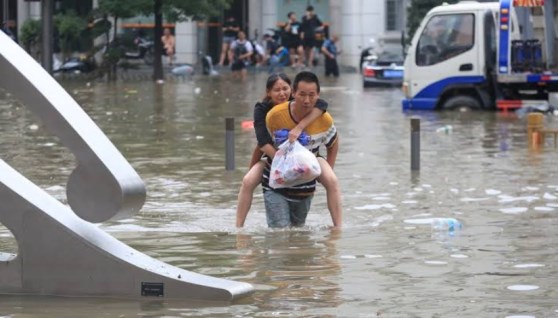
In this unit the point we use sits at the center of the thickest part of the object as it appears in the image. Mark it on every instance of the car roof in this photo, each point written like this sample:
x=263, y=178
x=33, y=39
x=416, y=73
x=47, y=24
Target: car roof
x=465, y=5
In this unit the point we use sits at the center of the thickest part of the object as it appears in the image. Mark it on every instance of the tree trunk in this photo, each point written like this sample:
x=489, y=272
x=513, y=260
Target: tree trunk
x=158, y=45
x=47, y=10
x=113, y=74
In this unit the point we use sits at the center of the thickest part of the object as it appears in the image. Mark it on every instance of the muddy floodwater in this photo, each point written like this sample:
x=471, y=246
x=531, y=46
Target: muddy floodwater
x=387, y=261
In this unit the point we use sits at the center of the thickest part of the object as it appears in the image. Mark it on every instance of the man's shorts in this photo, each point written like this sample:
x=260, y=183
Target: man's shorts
x=283, y=212
x=309, y=43
x=294, y=43
x=228, y=39
x=238, y=66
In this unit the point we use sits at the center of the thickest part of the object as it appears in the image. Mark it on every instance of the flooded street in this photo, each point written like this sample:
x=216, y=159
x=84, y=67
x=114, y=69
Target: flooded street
x=386, y=262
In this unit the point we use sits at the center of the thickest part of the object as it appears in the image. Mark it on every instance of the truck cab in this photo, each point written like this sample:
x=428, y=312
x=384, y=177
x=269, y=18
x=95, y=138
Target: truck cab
x=461, y=56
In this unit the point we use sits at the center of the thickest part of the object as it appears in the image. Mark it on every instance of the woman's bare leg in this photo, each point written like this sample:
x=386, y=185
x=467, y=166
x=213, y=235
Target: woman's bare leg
x=249, y=183
x=333, y=192
x=224, y=51
x=170, y=55
x=300, y=52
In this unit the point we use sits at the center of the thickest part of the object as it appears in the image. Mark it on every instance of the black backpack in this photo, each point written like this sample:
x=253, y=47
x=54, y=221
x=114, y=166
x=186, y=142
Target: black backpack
x=239, y=50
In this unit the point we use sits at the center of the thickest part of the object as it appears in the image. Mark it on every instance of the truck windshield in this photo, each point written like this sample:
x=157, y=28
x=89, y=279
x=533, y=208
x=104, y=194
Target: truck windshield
x=444, y=37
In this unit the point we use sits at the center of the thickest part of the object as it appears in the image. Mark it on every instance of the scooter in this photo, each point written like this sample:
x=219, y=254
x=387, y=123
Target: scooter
x=81, y=64
x=144, y=52
x=368, y=54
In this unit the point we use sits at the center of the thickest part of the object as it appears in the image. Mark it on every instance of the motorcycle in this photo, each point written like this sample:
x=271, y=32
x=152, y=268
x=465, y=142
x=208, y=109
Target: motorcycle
x=368, y=54
x=81, y=64
x=144, y=51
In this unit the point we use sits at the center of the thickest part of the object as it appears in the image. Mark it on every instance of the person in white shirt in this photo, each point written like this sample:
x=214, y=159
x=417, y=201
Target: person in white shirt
x=241, y=51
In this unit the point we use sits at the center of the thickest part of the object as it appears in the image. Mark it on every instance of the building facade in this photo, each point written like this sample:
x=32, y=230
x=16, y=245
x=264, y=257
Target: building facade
x=355, y=21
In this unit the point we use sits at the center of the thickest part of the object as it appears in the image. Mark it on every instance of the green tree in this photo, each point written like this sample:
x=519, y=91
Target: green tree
x=30, y=35
x=116, y=9
x=121, y=9
x=417, y=11
x=181, y=10
x=70, y=27
x=172, y=10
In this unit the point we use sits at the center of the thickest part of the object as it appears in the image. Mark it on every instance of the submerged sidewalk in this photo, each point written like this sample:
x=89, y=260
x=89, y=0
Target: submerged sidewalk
x=143, y=72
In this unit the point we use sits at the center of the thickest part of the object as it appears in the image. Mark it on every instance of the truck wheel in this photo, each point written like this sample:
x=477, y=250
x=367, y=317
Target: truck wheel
x=461, y=103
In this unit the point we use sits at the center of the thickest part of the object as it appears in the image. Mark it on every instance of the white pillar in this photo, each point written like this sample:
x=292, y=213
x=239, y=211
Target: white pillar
x=360, y=21
x=5, y=10
x=27, y=10
x=262, y=16
x=21, y=14
x=254, y=18
x=186, y=42
x=335, y=13
x=269, y=15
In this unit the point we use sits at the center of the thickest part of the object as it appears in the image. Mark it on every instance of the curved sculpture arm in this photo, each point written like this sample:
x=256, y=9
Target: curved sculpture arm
x=103, y=185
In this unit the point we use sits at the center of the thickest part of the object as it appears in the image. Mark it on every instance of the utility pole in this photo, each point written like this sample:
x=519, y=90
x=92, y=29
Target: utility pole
x=47, y=12
x=5, y=12
x=158, y=46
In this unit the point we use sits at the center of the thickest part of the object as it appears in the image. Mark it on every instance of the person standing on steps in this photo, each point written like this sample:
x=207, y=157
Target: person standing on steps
x=330, y=51
x=230, y=31
x=294, y=42
x=169, y=44
x=6, y=29
x=310, y=24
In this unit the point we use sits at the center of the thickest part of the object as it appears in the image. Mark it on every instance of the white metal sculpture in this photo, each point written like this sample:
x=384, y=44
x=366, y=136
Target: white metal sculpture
x=59, y=251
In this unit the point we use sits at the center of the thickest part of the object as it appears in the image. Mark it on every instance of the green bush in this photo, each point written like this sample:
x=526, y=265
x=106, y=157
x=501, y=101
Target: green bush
x=30, y=33
x=70, y=28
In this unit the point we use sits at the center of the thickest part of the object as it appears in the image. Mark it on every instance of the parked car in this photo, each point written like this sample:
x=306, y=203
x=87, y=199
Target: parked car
x=367, y=54
x=387, y=69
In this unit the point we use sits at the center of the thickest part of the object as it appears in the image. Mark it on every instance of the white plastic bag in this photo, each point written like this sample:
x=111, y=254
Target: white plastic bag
x=293, y=165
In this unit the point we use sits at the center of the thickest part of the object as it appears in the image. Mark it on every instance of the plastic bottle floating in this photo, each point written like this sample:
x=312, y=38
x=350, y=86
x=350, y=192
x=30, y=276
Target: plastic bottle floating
x=445, y=129
x=446, y=224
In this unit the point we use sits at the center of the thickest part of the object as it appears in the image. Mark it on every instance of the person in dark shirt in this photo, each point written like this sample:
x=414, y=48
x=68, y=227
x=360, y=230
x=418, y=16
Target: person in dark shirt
x=294, y=42
x=310, y=24
x=329, y=48
x=230, y=31
x=7, y=31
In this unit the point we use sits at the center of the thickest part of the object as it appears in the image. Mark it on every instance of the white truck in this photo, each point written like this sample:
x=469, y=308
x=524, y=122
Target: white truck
x=489, y=55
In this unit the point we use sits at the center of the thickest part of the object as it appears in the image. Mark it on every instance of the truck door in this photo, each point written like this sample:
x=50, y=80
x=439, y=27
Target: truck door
x=447, y=53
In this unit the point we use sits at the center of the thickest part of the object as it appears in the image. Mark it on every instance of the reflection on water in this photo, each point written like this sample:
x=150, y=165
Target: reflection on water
x=380, y=265
x=292, y=270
